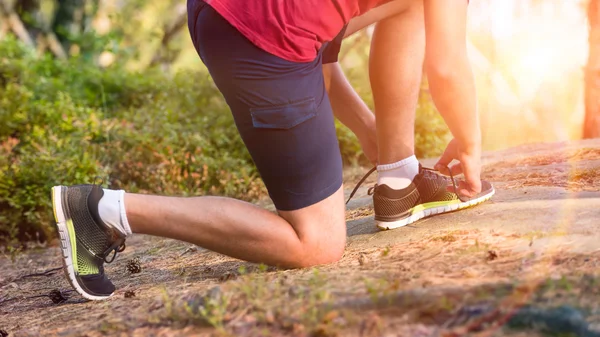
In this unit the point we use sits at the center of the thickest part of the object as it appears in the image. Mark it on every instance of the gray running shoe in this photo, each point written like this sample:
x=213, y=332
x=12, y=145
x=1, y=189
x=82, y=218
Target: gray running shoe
x=86, y=241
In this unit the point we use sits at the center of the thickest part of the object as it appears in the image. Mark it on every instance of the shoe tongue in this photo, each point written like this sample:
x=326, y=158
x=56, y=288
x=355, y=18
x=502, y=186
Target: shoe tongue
x=93, y=200
x=116, y=238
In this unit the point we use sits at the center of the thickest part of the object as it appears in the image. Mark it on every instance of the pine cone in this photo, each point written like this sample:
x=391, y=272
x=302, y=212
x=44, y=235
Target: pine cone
x=57, y=296
x=134, y=266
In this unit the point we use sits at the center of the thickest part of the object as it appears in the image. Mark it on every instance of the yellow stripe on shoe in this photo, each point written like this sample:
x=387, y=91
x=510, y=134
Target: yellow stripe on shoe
x=430, y=205
x=73, y=241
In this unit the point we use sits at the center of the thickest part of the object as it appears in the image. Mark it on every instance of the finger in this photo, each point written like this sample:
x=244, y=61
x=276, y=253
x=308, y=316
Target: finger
x=473, y=181
x=456, y=169
x=472, y=172
x=462, y=189
x=445, y=160
x=465, y=190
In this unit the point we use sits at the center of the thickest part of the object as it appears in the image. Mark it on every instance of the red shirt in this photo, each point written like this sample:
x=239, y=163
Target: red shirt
x=291, y=29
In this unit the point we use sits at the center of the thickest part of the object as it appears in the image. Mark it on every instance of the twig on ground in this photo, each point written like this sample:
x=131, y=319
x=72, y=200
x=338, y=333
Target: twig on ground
x=240, y=315
x=56, y=295
x=48, y=272
x=189, y=250
x=8, y=300
x=438, y=252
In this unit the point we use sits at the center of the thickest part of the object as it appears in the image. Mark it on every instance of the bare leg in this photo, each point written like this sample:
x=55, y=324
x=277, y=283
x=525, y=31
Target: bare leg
x=396, y=64
x=397, y=54
x=316, y=234
x=310, y=236
x=377, y=14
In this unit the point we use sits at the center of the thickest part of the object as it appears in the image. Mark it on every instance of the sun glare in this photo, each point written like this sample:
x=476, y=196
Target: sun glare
x=537, y=64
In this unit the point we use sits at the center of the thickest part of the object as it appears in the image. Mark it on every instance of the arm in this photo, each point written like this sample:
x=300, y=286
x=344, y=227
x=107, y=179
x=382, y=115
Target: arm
x=350, y=109
x=453, y=87
x=448, y=68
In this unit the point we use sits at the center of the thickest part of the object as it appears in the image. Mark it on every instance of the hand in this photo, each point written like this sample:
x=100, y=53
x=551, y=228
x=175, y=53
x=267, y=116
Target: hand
x=368, y=143
x=470, y=165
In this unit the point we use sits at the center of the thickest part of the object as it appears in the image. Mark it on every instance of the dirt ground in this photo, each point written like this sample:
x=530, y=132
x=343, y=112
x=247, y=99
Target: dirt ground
x=525, y=264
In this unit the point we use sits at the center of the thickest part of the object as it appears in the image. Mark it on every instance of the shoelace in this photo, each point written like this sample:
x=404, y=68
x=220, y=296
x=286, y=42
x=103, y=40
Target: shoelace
x=114, y=249
x=428, y=172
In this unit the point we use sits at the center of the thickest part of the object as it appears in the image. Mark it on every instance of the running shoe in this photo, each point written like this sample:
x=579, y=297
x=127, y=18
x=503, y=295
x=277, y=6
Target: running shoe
x=86, y=241
x=427, y=195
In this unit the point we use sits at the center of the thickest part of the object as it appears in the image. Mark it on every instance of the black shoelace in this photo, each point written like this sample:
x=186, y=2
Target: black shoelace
x=427, y=172
x=114, y=249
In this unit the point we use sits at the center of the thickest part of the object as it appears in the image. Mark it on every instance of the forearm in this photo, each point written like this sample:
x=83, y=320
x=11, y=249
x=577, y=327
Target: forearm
x=347, y=106
x=448, y=69
x=453, y=92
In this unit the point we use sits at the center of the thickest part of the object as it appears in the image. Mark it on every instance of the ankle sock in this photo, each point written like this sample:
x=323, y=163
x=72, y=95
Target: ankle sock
x=112, y=210
x=398, y=175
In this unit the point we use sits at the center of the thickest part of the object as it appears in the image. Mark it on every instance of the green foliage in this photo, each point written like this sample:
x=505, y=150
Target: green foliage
x=69, y=122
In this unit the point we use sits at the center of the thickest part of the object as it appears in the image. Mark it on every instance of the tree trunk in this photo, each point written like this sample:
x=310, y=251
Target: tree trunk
x=68, y=21
x=12, y=22
x=591, y=127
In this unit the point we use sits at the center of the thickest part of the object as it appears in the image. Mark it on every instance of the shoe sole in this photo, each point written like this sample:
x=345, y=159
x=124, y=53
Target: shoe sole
x=434, y=211
x=64, y=223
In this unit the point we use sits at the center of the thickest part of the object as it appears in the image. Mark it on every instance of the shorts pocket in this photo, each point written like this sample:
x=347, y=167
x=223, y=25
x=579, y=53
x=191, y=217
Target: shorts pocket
x=284, y=116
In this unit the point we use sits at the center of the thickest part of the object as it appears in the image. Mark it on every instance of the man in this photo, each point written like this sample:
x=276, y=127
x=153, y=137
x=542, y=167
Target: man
x=266, y=57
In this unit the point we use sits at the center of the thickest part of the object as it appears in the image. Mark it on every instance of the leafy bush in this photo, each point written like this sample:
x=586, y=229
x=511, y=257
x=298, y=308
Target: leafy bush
x=70, y=122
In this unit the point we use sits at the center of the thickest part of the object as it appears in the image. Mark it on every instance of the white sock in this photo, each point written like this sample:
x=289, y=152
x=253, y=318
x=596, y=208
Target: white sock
x=398, y=175
x=112, y=210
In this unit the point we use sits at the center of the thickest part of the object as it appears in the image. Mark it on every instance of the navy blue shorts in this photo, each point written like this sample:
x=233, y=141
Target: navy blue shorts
x=281, y=110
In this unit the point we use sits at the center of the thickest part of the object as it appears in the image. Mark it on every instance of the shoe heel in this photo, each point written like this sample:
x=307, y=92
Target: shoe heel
x=57, y=206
